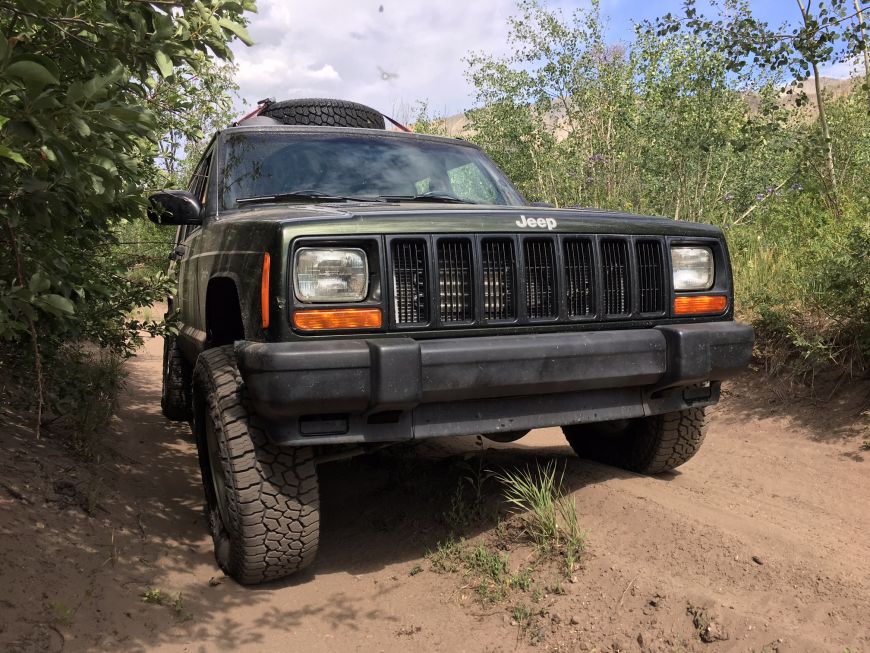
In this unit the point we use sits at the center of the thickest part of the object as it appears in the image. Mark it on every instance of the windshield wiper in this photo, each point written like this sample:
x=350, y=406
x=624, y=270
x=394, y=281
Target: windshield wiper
x=303, y=196
x=426, y=197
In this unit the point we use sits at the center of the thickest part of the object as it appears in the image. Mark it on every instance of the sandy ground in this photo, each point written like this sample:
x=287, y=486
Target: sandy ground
x=764, y=535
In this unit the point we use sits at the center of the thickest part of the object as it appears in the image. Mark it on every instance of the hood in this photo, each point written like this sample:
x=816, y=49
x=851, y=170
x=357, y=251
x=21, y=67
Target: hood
x=414, y=217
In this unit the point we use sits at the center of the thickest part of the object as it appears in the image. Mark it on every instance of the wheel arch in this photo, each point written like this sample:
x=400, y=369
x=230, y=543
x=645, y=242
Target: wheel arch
x=224, y=312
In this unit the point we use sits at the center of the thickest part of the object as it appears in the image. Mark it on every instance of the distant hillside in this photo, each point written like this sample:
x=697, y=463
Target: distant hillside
x=457, y=125
x=835, y=88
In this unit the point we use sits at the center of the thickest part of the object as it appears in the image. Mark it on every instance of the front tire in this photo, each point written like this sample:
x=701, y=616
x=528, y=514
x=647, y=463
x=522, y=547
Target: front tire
x=262, y=501
x=649, y=445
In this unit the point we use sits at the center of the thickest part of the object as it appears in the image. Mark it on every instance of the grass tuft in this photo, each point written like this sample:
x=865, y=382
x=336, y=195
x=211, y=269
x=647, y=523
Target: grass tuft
x=550, y=517
x=489, y=564
x=446, y=556
x=174, y=602
x=467, y=502
x=153, y=596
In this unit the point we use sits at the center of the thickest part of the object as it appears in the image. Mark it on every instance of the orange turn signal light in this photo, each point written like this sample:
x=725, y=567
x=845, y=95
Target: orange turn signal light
x=700, y=304
x=264, y=290
x=318, y=319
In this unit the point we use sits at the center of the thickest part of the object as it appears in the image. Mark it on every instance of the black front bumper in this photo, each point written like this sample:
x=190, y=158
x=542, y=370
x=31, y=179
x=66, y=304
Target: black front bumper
x=391, y=389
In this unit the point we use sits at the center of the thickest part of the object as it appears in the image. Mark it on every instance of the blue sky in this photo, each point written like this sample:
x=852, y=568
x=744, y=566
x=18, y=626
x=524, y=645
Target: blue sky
x=623, y=12
x=391, y=54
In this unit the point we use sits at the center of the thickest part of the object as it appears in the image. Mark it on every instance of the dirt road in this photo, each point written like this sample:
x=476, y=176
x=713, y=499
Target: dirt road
x=759, y=543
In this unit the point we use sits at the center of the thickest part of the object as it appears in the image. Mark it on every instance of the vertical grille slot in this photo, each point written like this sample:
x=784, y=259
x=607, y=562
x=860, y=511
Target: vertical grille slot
x=578, y=277
x=614, y=263
x=455, y=279
x=651, y=275
x=410, y=297
x=540, y=278
x=499, y=279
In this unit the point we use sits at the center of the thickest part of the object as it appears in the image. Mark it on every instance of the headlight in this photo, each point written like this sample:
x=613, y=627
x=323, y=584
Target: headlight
x=331, y=275
x=693, y=268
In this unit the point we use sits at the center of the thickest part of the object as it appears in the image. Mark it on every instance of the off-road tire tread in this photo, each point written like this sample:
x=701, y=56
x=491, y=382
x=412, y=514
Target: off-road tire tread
x=651, y=445
x=175, y=400
x=272, y=493
x=325, y=112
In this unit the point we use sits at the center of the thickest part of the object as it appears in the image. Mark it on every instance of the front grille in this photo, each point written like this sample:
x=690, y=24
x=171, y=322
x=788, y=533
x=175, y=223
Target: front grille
x=455, y=280
x=410, y=297
x=651, y=276
x=614, y=263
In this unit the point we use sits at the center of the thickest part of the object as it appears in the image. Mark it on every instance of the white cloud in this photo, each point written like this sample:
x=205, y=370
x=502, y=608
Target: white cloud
x=410, y=51
x=843, y=69
x=279, y=77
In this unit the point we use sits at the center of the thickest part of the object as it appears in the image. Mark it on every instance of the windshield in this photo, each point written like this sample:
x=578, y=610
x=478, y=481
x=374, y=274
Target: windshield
x=276, y=166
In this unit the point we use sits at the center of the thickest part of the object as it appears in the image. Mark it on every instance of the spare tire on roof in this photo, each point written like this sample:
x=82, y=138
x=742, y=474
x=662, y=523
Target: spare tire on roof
x=318, y=111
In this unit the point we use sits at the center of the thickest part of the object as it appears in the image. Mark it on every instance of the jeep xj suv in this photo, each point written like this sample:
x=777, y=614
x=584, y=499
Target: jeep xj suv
x=341, y=286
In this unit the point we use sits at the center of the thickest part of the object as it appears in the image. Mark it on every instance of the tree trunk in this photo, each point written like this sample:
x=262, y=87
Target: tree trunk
x=860, y=15
x=823, y=118
x=826, y=132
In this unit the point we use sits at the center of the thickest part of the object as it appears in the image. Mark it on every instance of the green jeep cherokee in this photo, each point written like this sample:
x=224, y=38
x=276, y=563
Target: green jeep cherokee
x=341, y=286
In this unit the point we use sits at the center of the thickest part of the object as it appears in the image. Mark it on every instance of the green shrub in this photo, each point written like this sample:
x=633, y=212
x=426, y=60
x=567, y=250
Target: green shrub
x=91, y=119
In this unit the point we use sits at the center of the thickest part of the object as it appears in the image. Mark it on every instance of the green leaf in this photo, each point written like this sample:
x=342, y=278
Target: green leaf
x=14, y=156
x=39, y=282
x=31, y=71
x=164, y=63
x=238, y=30
x=81, y=126
x=59, y=303
x=34, y=184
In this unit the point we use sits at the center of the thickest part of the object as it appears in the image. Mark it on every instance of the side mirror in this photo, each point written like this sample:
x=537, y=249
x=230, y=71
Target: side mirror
x=174, y=207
